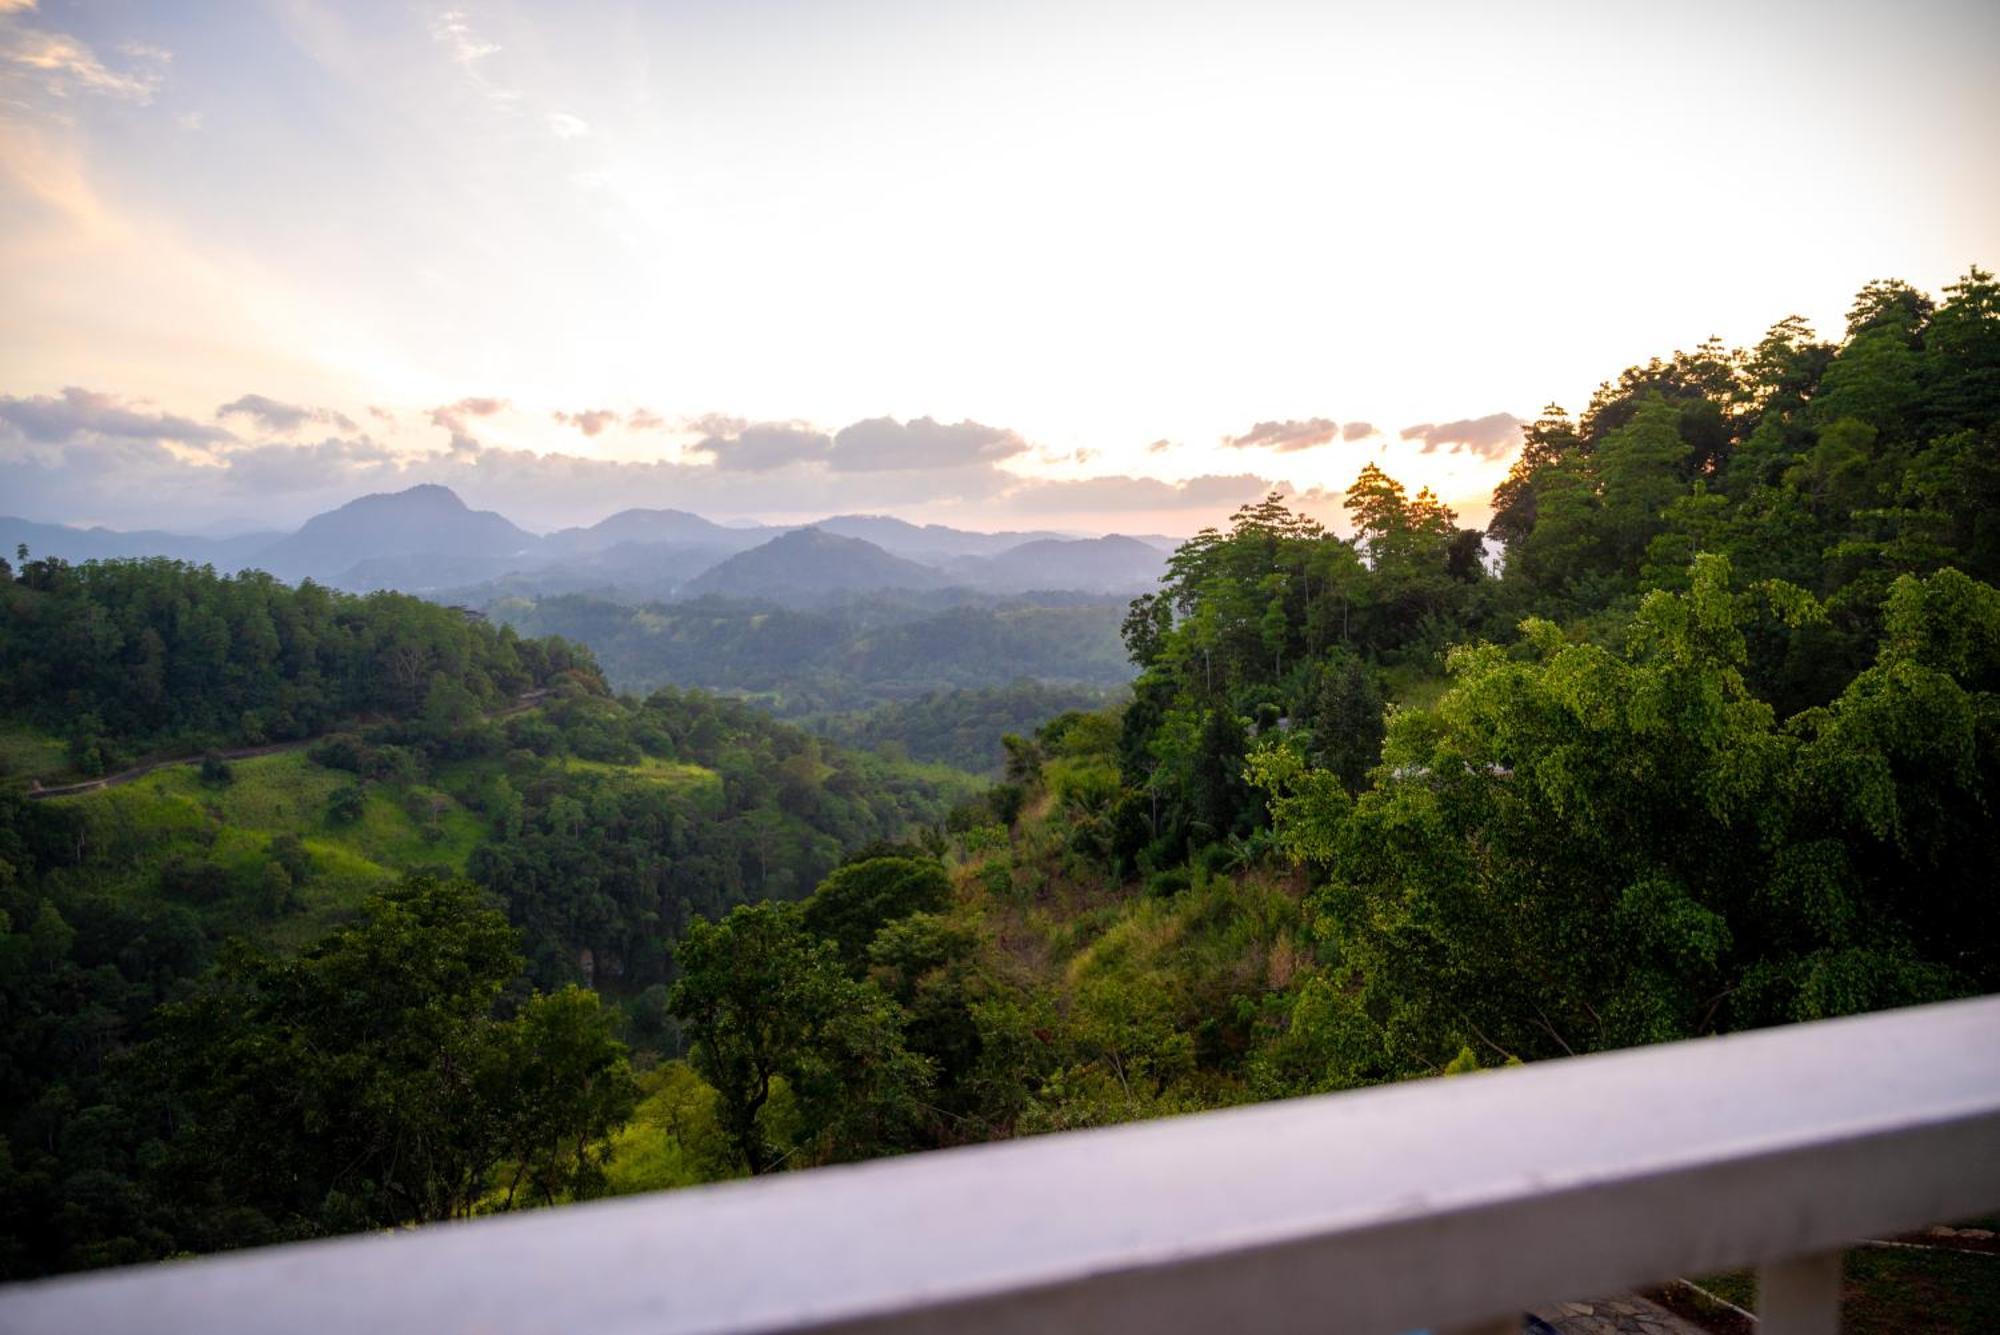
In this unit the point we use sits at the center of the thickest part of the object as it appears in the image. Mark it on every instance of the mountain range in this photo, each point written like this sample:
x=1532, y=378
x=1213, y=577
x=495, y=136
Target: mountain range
x=427, y=540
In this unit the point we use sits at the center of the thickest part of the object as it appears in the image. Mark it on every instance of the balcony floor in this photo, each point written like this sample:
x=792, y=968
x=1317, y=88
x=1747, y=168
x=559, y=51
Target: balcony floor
x=1628, y=1314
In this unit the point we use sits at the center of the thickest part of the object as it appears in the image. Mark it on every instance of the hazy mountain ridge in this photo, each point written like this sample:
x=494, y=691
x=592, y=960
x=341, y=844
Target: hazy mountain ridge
x=425, y=520
x=427, y=540
x=809, y=563
x=72, y=543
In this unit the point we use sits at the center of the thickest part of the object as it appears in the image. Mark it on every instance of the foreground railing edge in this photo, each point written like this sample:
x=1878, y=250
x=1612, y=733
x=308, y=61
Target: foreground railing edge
x=1453, y=1260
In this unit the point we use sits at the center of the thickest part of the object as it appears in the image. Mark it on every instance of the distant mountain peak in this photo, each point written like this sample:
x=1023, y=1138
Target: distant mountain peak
x=428, y=495
x=809, y=563
x=428, y=519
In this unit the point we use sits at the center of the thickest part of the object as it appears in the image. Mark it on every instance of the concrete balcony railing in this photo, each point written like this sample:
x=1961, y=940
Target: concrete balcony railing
x=1440, y=1203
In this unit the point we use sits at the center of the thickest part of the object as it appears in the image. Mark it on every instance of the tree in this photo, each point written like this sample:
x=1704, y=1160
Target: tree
x=1346, y=720
x=1379, y=510
x=570, y=1089
x=764, y=1006
x=1638, y=468
x=1888, y=303
x=346, y=804
x=856, y=901
x=362, y=1084
x=1586, y=848
x=1545, y=442
x=1222, y=801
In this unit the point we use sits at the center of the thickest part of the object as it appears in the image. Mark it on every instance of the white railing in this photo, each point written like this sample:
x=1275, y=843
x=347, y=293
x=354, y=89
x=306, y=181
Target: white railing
x=1439, y=1203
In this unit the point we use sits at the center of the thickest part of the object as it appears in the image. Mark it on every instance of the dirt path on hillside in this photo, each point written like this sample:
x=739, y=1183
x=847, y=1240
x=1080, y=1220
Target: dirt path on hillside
x=521, y=704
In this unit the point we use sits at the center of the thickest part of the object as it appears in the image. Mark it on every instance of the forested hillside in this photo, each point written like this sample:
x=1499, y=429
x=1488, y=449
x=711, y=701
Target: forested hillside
x=120, y=658
x=1716, y=747
x=856, y=655
x=960, y=728
x=566, y=840
x=1716, y=743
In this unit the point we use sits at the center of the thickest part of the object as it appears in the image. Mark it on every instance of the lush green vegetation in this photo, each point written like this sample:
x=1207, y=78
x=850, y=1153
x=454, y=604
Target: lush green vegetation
x=153, y=1072
x=1715, y=744
x=852, y=656
x=122, y=658
x=1713, y=747
x=959, y=728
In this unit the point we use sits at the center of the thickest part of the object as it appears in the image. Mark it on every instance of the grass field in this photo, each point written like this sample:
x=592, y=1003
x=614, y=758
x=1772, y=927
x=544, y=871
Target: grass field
x=171, y=813
x=142, y=828
x=675, y=775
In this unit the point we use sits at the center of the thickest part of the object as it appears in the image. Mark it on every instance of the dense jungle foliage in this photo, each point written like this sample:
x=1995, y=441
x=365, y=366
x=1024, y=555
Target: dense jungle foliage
x=172, y=944
x=1712, y=743
x=121, y=658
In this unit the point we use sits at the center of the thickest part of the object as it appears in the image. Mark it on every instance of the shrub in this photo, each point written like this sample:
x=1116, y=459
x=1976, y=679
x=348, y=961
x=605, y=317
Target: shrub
x=346, y=804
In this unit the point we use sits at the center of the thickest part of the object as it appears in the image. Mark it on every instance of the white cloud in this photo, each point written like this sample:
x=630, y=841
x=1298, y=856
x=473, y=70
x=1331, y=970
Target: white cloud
x=84, y=455
x=881, y=443
x=453, y=30
x=78, y=412
x=591, y=421
x=762, y=446
x=1489, y=437
x=283, y=418
x=1286, y=437
x=565, y=126
x=61, y=66
x=452, y=417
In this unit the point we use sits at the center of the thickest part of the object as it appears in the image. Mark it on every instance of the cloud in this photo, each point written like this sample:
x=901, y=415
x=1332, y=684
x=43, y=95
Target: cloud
x=382, y=415
x=590, y=421
x=79, y=412
x=453, y=31
x=452, y=418
x=762, y=446
x=714, y=424
x=1122, y=493
x=286, y=469
x=61, y=66
x=1489, y=437
x=645, y=420
x=283, y=418
x=16, y=6
x=86, y=457
x=1358, y=431
x=1159, y=447
x=466, y=49
x=883, y=443
x=1285, y=437
x=565, y=126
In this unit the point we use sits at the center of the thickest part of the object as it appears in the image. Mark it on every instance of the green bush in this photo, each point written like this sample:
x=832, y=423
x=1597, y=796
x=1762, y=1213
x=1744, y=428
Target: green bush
x=346, y=804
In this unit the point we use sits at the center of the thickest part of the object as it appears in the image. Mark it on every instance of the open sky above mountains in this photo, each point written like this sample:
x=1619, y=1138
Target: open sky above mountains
x=1113, y=267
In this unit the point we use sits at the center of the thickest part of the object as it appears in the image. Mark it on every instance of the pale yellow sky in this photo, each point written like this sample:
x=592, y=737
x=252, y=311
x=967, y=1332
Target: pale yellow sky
x=1096, y=228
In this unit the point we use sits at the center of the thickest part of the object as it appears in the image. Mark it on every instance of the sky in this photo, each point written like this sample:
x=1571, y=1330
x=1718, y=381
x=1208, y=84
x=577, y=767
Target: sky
x=1090, y=266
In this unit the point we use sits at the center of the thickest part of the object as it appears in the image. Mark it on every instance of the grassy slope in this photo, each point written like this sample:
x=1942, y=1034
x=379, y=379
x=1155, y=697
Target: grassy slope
x=171, y=812
x=677, y=775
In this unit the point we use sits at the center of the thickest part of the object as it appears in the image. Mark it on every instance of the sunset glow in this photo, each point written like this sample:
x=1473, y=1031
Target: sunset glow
x=1119, y=237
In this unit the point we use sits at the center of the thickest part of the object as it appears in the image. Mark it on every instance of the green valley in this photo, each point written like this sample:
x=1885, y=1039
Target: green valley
x=1709, y=739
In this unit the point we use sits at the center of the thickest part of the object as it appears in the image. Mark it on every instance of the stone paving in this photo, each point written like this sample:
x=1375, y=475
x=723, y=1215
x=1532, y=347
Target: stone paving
x=1627, y=1314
